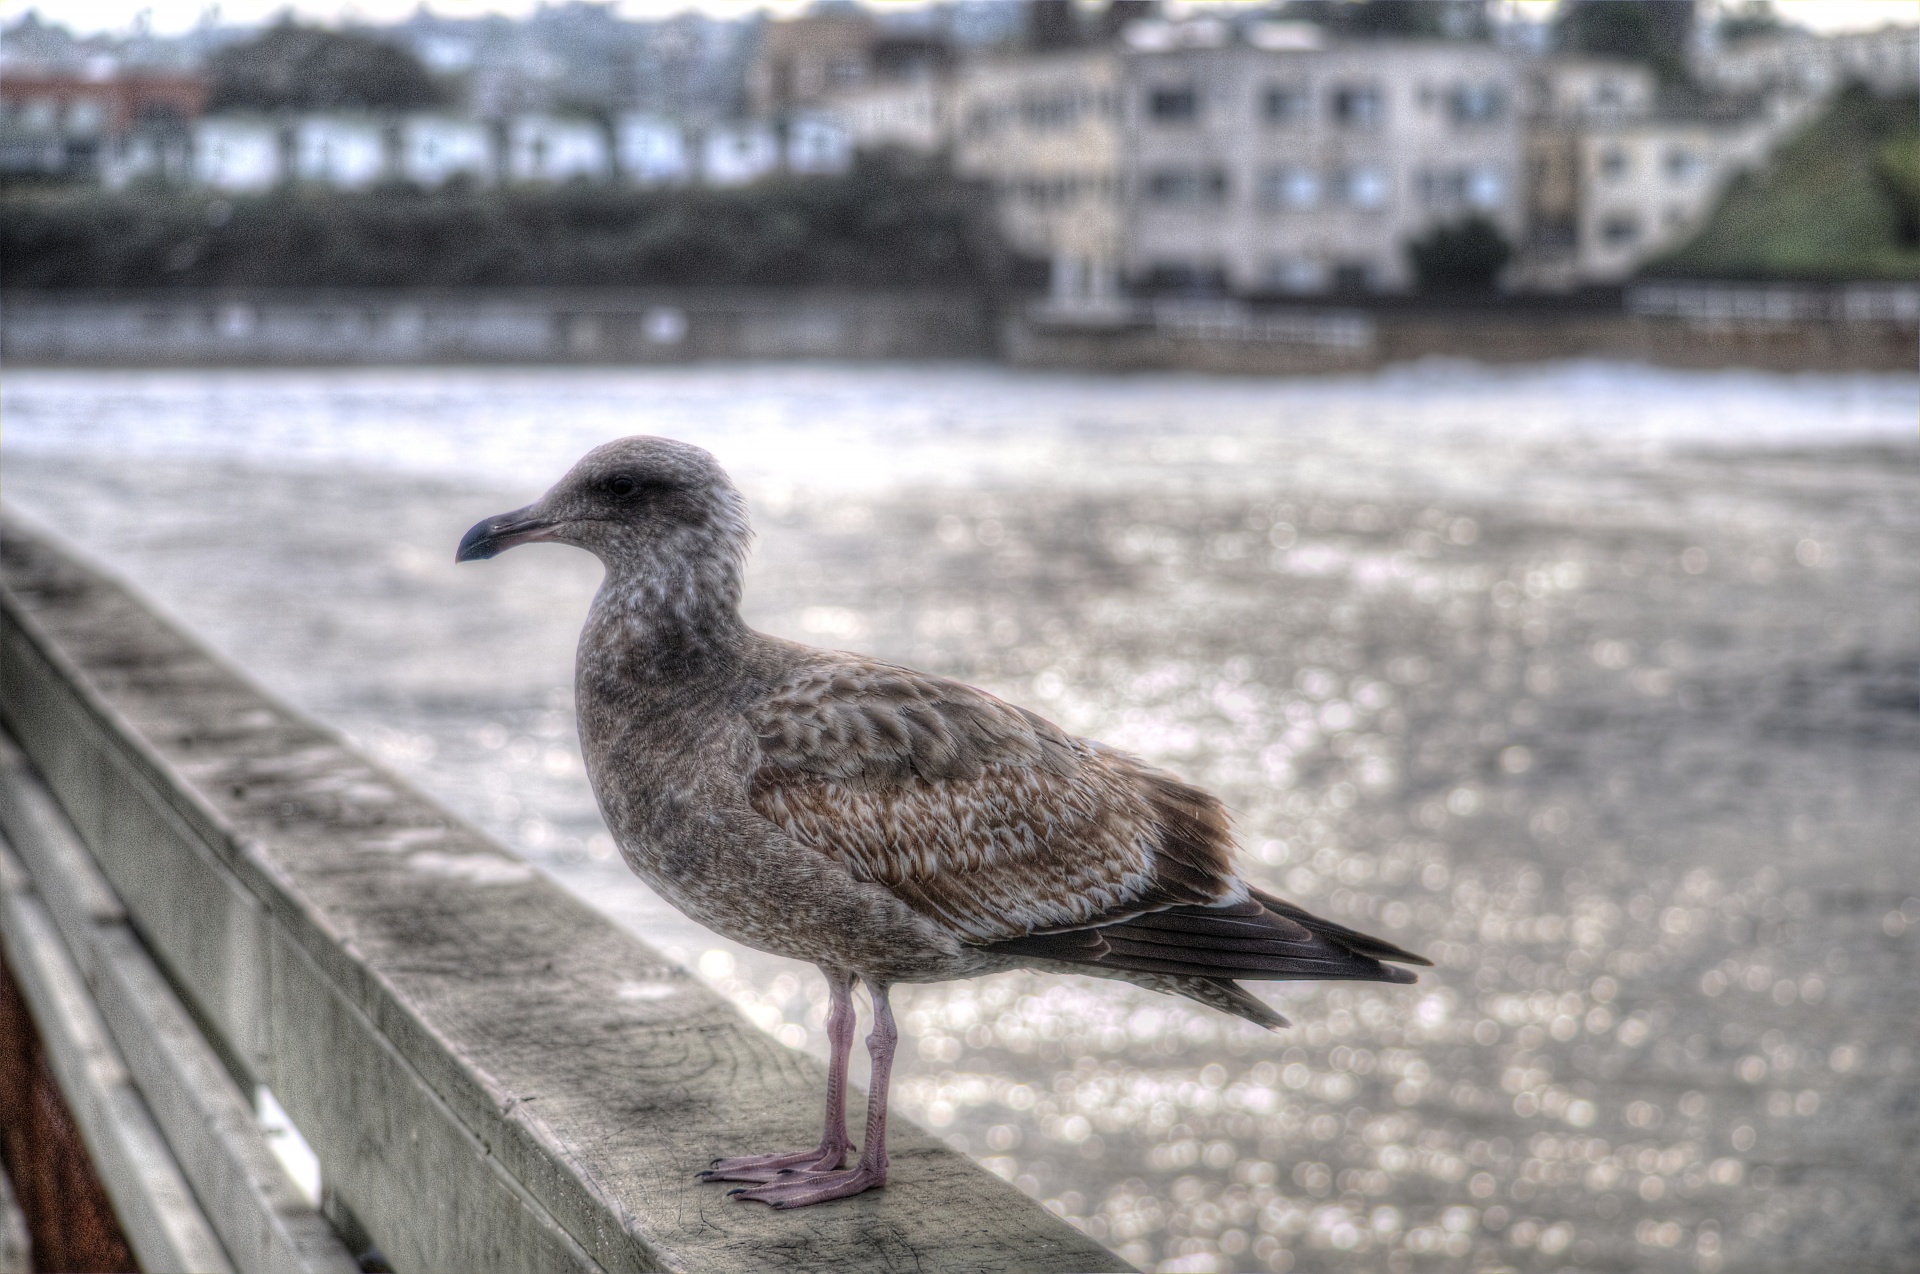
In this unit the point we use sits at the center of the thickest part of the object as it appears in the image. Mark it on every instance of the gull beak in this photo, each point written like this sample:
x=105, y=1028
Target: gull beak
x=493, y=536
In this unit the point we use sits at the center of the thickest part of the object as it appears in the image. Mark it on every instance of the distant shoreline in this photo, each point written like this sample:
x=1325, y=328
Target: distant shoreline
x=1852, y=327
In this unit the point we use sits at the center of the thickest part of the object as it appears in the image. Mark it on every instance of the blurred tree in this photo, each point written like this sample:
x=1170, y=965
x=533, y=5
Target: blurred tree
x=293, y=67
x=1114, y=18
x=1651, y=31
x=1754, y=17
x=1052, y=24
x=1898, y=168
x=1390, y=19
x=893, y=222
x=1462, y=256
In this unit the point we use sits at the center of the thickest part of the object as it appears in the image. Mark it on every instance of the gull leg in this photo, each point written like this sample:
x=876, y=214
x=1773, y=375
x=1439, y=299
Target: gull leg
x=834, y=1142
x=797, y=1190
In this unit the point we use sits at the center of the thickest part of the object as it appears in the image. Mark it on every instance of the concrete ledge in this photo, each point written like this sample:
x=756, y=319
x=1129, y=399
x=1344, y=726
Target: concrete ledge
x=493, y=1076
x=198, y=1107
x=163, y=1224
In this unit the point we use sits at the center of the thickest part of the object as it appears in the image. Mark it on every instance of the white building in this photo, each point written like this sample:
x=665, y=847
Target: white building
x=818, y=145
x=236, y=154
x=1044, y=133
x=345, y=152
x=908, y=114
x=1574, y=88
x=653, y=151
x=1887, y=60
x=739, y=154
x=548, y=148
x=1648, y=185
x=165, y=155
x=1273, y=165
x=434, y=149
x=1614, y=181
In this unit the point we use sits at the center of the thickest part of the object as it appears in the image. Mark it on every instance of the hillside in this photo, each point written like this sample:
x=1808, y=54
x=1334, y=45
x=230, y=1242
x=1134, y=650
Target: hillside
x=1838, y=202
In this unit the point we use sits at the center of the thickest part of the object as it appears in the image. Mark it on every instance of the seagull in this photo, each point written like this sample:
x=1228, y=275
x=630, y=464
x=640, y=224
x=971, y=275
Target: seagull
x=884, y=824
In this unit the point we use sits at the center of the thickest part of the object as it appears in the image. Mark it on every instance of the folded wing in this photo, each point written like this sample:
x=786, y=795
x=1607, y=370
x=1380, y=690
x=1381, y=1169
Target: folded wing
x=1021, y=839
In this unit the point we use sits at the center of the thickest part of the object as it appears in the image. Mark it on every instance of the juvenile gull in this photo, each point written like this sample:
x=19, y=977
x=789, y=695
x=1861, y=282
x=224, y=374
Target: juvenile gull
x=884, y=824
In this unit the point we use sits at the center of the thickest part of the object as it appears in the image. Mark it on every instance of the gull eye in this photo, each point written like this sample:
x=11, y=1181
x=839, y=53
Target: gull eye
x=622, y=484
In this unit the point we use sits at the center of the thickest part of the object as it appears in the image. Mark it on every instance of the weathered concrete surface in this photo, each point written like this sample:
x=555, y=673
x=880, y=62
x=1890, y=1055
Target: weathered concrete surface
x=493, y=1076
x=164, y=1225
x=208, y=1123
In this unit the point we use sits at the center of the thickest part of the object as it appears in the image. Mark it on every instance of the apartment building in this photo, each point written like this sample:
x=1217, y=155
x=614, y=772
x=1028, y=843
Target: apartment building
x=1044, y=132
x=904, y=114
x=1267, y=160
x=342, y=151
x=1566, y=96
x=436, y=149
x=78, y=123
x=1616, y=178
x=1648, y=184
x=1886, y=60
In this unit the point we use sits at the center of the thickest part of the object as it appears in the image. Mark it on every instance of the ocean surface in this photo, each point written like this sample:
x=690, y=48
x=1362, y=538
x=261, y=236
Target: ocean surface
x=1598, y=684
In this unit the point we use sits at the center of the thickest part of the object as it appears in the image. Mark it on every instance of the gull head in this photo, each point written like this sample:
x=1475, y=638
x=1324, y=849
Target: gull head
x=633, y=503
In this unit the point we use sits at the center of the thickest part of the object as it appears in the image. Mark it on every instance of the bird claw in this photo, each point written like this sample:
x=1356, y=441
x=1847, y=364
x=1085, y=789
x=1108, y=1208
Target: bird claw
x=761, y=1169
x=813, y=1187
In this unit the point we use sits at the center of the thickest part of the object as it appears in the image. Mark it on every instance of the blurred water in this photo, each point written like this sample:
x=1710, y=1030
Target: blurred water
x=1598, y=684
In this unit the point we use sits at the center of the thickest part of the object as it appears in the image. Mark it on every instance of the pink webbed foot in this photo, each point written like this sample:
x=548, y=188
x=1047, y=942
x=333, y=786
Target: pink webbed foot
x=797, y=1190
x=761, y=1168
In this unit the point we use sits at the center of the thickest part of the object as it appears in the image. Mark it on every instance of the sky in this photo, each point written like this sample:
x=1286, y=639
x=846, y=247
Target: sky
x=172, y=16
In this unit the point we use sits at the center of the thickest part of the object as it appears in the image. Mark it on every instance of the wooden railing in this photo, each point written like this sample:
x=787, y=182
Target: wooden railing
x=207, y=894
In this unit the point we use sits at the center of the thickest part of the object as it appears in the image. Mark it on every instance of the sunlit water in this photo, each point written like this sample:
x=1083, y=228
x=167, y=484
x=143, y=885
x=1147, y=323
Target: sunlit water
x=1600, y=685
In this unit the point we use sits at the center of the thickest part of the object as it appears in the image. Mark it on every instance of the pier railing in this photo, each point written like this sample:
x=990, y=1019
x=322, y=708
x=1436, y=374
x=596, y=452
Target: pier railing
x=202, y=893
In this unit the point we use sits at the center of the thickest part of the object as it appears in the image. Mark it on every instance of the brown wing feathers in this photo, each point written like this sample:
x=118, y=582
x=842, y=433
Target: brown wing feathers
x=1027, y=842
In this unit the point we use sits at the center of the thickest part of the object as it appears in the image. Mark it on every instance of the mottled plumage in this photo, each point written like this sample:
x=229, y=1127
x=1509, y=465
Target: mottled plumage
x=881, y=822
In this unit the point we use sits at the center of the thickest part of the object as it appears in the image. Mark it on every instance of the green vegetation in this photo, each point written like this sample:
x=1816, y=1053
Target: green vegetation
x=1841, y=201
x=889, y=223
x=295, y=68
x=1465, y=256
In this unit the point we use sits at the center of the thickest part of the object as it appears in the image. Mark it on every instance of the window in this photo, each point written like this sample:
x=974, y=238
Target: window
x=1291, y=188
x=1446, y=189
x=1284, y=104
x=1294, y=274
x=1359, y=105
x=1174, y=105
x=1486, y=188
x=1354, y=276
x=1476, y=103
x=1363, y=187
x=86, y=115
x=1682, y=164
x=1187, y=186
x=1042, y=113
x=1195, y=278
x=1620, y=229
x=1613, y=163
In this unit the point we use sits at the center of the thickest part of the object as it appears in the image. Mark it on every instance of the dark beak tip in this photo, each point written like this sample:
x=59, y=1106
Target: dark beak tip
x=478, y=544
